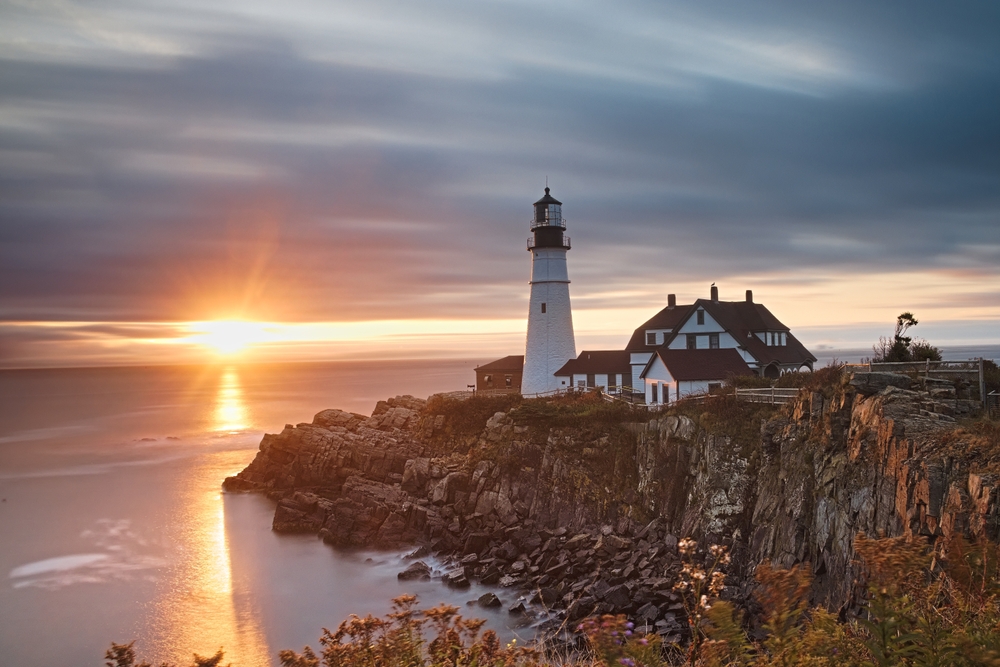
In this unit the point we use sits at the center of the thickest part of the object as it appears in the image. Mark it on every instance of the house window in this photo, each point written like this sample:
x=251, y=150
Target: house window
x=655, y=396
x=488, y=379
x=507, y=381
x=713, y=341
x=591, y=380
x=692, y=342
x=581, y=384
x=612, y=380
x=714, y=386
x=701, y=317
x=543, y=307
x=650, y=338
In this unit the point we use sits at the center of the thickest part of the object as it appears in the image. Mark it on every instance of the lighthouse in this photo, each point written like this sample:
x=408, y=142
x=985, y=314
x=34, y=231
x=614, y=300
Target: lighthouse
x=550, y=342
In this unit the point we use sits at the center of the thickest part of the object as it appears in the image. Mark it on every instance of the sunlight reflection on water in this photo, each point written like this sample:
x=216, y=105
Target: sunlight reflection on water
x=199, y=611
x=230, y=408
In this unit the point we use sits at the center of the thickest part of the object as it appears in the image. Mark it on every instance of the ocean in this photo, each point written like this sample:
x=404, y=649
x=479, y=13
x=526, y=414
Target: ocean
x=114, y=528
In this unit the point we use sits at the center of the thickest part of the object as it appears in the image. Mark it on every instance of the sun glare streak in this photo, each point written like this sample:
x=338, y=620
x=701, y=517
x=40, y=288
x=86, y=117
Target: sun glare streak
x=228, y=337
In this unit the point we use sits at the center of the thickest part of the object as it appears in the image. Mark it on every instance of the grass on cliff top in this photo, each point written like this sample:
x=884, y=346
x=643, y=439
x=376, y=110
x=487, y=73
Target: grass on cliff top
x=823, y=379
x=466, y=418
x=576, y=410
x=725, y=415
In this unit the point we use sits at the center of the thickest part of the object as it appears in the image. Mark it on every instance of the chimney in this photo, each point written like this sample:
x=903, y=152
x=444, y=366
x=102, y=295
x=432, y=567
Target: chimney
x=715, y=294
x=749, y=296
x=671, y=301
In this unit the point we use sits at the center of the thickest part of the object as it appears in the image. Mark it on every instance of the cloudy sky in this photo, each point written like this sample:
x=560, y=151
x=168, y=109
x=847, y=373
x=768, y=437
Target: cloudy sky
x=358, y=176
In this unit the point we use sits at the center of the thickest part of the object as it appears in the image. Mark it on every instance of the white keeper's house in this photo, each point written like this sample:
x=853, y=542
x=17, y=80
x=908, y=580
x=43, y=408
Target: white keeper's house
x=680, y=351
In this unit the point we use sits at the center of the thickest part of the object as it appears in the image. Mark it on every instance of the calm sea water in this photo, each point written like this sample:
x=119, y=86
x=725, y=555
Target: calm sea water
x=113, y=526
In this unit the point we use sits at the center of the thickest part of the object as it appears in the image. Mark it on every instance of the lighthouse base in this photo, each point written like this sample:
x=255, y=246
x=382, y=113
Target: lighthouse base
x=550, y=342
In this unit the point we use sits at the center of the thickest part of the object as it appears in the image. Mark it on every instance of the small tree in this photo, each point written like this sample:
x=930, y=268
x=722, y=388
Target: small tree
x=903, y=348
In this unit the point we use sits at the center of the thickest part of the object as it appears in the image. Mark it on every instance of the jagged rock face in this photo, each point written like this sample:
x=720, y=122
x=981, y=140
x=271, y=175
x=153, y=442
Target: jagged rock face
x=541, y=511
x=852, y=463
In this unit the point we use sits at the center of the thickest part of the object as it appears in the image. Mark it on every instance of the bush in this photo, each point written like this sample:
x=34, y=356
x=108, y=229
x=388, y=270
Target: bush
x=924, y=607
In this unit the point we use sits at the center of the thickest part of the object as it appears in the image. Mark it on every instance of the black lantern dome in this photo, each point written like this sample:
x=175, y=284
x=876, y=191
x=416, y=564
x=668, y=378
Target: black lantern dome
x=548, y=224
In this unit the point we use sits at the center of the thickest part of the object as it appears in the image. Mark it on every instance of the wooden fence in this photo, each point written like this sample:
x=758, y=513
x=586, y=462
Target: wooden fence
x=972, y=370
x=772, y=395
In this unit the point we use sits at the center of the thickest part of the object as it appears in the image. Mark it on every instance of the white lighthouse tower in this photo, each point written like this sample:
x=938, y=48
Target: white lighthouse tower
x=550, y=342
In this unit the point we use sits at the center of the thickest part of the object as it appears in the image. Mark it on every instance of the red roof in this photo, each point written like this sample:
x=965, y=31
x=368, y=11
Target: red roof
x=701, y=364
x=597, y=361
x=742, y=319
x=668, y=318
x=514, y=362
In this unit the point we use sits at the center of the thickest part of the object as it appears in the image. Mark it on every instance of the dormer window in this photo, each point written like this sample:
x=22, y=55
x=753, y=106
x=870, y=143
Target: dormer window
x=701, y=317
x=650, y=338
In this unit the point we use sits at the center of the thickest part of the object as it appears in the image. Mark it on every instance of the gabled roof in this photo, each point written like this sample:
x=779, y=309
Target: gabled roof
x=686, y=365
x=743, y=318
x=514, y=362
x=597, y=361
x=668, y=318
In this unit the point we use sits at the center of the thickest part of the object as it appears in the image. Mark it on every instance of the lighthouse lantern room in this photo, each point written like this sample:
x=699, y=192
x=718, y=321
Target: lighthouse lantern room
x=550, y=342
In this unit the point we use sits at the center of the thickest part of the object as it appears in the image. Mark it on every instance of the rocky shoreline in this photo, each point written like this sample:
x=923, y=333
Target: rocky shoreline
x=582, y=513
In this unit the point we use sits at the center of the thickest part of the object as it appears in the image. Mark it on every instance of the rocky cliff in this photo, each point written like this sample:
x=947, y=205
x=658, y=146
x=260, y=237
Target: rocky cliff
x=581, y=502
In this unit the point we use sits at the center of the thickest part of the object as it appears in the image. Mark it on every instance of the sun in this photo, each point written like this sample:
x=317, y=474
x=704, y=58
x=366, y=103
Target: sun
x=228, y=337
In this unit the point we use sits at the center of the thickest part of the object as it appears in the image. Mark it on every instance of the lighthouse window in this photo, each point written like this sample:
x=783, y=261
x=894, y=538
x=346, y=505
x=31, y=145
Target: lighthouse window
x=543, y=307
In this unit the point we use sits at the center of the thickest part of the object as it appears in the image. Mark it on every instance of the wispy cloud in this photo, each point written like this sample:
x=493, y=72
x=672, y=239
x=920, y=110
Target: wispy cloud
x=360, y=162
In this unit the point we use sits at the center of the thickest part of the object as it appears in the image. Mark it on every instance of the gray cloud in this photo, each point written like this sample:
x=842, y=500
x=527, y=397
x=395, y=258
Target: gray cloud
x=162, y=162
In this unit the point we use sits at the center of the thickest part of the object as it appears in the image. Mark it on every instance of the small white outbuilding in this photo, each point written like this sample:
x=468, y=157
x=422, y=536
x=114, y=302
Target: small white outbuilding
x=673, y=374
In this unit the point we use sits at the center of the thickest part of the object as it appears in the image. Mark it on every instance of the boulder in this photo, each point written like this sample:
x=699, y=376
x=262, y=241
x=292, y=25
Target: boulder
x=489, y=600
x=456, y=578
x=418, y=570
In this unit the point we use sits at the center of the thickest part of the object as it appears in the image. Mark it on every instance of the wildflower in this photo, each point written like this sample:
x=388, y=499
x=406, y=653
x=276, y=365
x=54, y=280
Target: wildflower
x=628, y=662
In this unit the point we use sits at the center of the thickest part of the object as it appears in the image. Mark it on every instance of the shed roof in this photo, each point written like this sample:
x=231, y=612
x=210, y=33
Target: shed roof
x=597, y=361
x=514, y=362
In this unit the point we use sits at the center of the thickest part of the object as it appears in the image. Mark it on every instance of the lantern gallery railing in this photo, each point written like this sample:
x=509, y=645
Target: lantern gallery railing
x=565, y=244
x=550, y=222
